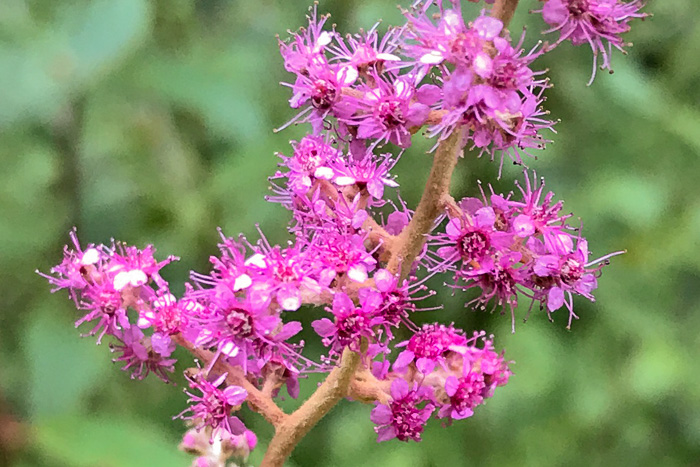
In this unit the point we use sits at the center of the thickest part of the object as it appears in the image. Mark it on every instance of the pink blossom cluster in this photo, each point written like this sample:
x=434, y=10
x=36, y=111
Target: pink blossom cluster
x=376, y=88
x=598, y=23
x=105, y=282
x=507, y=247
x=358, y=93
x=442, y=371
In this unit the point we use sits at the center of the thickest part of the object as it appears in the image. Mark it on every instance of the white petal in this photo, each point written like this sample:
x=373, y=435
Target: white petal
x=137, y=277
x=388, y=57
x=121, y=280
x=242, y=282
x=347, y=75
x=432, y=58
x=325, y=173
x=91, y=256
x=358, y=273
x=400, y=86
x=344, y=180
x=257, y=260
x=230, y=349
x=324, y=39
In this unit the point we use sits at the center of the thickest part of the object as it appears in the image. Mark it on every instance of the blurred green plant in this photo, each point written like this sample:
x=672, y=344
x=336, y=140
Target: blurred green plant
x=150, y=122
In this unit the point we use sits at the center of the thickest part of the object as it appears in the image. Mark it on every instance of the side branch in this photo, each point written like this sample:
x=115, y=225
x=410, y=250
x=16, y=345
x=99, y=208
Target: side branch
x=259, y=402
x=503, y=10
x=410, y=241
x=298, y=424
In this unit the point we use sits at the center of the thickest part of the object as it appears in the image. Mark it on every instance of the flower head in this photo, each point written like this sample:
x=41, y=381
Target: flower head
x=213, y=407
x=403, y=417
x=599, y=23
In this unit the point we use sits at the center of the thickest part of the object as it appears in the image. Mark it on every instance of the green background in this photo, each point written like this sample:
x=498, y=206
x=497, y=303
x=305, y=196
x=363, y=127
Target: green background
x=150, y=122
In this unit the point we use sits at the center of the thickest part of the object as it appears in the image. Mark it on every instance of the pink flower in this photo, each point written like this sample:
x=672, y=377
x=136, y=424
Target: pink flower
x=403, y=418
x=600, y=23
x=142, y=355
x=213, y=407
x=429, y=346
x=351, y=323
x=389, y=108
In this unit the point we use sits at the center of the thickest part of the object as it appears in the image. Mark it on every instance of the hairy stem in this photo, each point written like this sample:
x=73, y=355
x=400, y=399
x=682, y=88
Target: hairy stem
x=503, y=10
x=298, y=424
x=410, y=241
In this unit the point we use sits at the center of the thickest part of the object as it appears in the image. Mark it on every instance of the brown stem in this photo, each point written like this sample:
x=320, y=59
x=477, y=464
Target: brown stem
x=258, y=401
x=365, y=387
x=410, y=241
x=503, y=10
x=298, y=424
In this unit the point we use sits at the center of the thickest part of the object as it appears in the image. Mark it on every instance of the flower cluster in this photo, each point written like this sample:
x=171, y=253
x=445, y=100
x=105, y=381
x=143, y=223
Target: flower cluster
x=376, y=89
x=105, y=282
x=505, y=246
x=356, y=249
x=441, y=369
x=488, y=86
x=599, y=23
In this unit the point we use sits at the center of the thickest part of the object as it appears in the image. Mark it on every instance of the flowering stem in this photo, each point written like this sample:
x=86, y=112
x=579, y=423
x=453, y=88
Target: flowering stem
x=410, y=241
x=503, y=10
x=258, y=401
x=298, y=424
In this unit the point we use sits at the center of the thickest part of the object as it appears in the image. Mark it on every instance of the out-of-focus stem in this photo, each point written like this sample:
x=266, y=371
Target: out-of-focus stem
x=503, y=10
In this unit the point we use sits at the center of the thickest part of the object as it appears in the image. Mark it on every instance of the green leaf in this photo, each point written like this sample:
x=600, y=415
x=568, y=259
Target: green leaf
x=107, y=442
x=62, y=367
x=80, y=47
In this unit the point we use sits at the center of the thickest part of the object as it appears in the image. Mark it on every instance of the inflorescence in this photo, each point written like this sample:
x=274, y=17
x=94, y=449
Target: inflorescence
x=361, y=93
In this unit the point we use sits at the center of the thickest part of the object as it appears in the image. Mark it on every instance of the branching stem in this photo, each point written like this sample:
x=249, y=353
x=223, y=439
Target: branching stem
x=298, y=424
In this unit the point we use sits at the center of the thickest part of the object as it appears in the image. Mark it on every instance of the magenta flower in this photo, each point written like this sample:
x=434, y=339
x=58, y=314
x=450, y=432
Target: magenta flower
x=397, y=302
x=351, y=323
x=166, y=315
x=499, y=279
x=568, y=272
x=429, y=346
x=142, y=355
x=103, y=305
x=388, y=109
x=600, y=23
x=307, y=46
x=282, y=274
x=322, y=92
x=470, y=238
x=78, y=268
x=235, y=328
x=369, y=171
x=312, y=159
x=131, y=267
x=366, y=52
x=340, y=254
x=213, y=407
x=465, y=394
x=451, y=39
x=538, y=214
x=403, y=418
x=230, y=271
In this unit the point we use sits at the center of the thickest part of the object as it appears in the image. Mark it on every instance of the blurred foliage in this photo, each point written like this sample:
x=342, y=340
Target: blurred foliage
x=150, y=122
